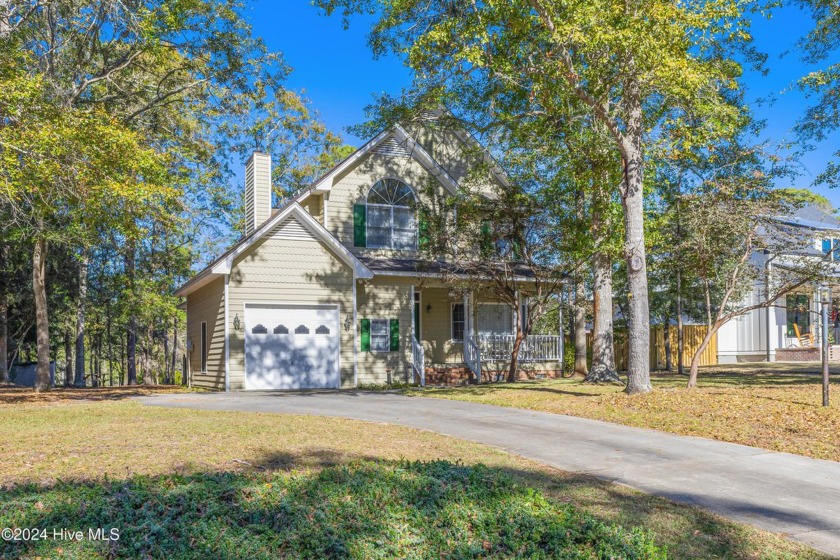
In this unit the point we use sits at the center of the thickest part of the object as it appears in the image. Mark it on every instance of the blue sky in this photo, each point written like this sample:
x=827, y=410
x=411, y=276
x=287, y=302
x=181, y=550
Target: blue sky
x=339, y=75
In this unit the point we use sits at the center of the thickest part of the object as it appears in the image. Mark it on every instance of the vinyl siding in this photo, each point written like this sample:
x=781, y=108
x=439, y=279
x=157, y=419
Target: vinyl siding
x=436, y=327
x=314, y=205
x=207, y=304
x=293, y=271
x=387, y=298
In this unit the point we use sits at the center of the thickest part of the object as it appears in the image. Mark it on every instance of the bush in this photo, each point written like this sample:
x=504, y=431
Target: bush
x=364, y=510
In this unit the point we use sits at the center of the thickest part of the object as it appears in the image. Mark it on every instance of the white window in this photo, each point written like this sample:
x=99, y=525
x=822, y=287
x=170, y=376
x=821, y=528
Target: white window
x=380, y=335
x=458, y=321
x=391, y=221
x=494, y=319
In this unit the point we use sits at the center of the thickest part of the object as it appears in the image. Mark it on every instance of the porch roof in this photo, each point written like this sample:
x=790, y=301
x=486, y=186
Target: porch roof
x=420, y=267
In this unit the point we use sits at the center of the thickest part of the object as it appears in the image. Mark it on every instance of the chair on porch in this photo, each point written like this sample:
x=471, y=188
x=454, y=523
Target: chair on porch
x=806, y=339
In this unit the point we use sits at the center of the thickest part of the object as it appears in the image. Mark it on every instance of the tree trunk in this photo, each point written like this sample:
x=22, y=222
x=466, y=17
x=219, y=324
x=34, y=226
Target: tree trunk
x=68, y=357
x=80, y=322
x=131, y=339
x=666, y=331
x=695, y=361
x=638, y=316
x=514, y=356
x=4, y=334
x=110, y=345
x=581, y=368
x=603, y=342
x=603, y=347
x=4, y=314
x=174, y=348
x=42, y=322
x=680, y=366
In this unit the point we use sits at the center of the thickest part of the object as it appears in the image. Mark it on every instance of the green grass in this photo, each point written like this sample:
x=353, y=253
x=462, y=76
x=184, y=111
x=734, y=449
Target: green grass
x=363, y=510
x=152, y=472
x=775, y=406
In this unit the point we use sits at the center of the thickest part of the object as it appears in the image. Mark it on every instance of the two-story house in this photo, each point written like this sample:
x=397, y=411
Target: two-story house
x=787, y=328
x=329, y=290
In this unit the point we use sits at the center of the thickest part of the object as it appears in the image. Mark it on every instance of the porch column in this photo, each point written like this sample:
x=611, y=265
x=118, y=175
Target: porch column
x=468, y=314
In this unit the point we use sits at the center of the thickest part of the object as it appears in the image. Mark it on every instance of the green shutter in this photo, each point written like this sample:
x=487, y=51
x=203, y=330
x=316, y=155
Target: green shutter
x=360, y=225
x=365, y=335
x=423, y=237
x=395, y=335
x=486, y=239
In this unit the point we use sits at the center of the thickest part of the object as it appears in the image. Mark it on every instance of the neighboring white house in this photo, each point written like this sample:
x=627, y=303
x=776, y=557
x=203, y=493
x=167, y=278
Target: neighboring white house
x=329, y=290
x=761, y=334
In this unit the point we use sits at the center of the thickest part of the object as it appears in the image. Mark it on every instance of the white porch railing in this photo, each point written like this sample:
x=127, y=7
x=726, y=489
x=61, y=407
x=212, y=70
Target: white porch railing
x=535, y=348
x=418, y=361
x=472, y=357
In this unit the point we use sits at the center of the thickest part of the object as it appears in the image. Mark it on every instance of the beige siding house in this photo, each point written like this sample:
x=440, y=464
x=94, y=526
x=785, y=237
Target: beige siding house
x=329, y=291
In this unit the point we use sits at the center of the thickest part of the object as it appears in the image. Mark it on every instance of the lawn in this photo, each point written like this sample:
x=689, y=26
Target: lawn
x=185, y=483
x=778, y=408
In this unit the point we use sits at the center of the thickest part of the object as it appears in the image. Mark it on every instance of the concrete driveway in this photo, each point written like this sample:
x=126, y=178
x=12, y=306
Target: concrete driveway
x=778, y=492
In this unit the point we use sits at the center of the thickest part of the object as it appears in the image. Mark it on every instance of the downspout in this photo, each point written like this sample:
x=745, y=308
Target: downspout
x=767, y=269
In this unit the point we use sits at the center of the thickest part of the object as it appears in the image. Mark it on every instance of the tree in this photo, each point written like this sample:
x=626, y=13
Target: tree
x=185, y=80
x=730, y=229
x=819, y=47
x=495, y=242
x=647, y=62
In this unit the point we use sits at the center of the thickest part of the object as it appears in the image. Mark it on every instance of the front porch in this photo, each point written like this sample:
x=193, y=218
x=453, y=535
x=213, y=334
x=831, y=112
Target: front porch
x=470, y=339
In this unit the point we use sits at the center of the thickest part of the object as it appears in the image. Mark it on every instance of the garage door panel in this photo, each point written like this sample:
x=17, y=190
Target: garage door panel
x=291, y=347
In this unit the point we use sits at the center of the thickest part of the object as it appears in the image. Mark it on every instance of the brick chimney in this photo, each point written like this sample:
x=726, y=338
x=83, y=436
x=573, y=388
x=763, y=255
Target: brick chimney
x=257, y=191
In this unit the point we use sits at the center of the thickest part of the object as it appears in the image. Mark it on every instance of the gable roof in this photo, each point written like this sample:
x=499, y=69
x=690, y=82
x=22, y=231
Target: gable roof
x=224, y=263
x=323, y=184
x=412, y=146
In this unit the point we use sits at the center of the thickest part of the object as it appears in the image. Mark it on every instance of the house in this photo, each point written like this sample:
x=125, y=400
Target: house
x=770, y=333
x=329, y=290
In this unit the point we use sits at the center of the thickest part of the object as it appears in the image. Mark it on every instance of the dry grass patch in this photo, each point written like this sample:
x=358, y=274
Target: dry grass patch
x=86, y=442
x=779, y=409
x=13, y=394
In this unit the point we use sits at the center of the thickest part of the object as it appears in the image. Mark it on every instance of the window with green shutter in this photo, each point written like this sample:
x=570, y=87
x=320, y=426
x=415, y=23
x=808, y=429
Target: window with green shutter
x=360, y=225
x=380, y=335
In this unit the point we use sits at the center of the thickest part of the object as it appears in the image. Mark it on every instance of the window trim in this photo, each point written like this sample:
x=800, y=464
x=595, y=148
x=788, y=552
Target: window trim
x=203, y=347
x=452, y=322
x=387, y=336
x=390, y=208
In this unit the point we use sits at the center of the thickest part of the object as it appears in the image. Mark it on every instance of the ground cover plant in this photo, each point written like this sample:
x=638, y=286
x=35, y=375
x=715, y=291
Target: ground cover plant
x=777, y=406
x=261, y=480
x=362, y=510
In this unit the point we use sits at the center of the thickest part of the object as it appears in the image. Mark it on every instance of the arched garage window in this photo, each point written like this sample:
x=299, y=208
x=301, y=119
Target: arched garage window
x=391, y=222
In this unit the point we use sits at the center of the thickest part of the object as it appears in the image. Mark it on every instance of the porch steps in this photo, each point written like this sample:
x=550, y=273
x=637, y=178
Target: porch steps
x=460, y=374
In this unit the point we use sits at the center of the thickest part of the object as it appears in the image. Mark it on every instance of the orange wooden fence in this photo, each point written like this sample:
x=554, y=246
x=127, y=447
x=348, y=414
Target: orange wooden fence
x=692, y=337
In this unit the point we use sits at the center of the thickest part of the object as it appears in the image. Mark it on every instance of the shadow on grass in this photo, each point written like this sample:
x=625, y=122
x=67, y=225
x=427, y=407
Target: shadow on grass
x=25, y=395
x=367, y=508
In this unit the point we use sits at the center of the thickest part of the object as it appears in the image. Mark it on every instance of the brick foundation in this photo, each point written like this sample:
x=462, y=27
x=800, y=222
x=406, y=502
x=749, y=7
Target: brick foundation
x=807, y=354
x=461, y=375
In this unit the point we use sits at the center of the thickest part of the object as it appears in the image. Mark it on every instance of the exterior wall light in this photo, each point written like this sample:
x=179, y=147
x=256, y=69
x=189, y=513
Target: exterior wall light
x=348, y=322
x=429, y=308
x=236, y=322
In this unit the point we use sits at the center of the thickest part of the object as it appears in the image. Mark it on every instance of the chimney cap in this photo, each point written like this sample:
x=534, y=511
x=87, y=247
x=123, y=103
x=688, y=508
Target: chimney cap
x=256, y=153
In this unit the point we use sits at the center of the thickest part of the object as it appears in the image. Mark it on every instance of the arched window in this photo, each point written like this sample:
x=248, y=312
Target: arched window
x=390, y=216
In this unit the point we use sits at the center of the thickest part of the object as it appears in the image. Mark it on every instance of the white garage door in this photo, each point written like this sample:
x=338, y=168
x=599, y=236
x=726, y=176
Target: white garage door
x=291, y=347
